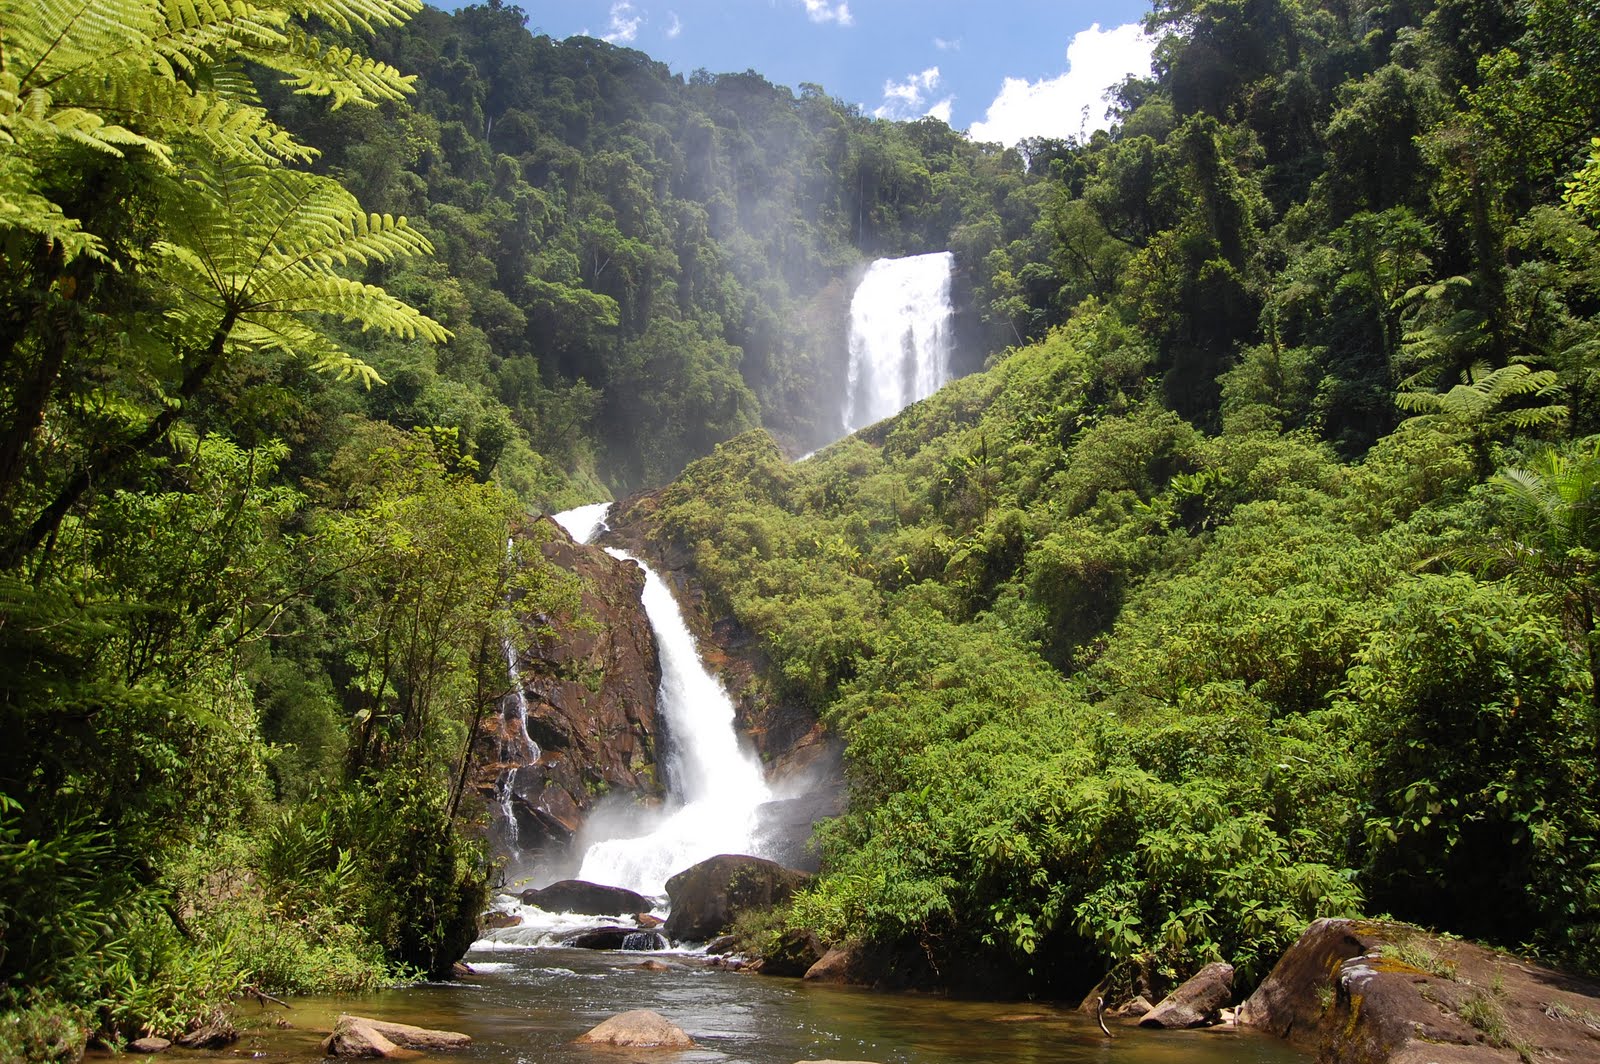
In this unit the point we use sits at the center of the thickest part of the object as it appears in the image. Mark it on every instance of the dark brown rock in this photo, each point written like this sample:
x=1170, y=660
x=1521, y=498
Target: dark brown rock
x=1197, y=1002
x=590, y=683
x=705, y=898
x=639, y=1029
x=614, y=937
x=1369, y=992
x=589, y=899
x=838, y=965
x=149, y=1045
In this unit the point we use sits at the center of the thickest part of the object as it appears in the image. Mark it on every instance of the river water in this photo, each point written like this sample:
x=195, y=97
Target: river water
x=525, y=1006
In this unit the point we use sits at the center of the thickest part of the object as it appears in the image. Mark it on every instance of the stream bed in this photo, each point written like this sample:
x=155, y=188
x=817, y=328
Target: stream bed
x=526, y=1005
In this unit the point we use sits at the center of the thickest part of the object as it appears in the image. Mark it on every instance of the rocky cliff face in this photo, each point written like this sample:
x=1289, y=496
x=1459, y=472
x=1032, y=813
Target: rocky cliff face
x=590, y=685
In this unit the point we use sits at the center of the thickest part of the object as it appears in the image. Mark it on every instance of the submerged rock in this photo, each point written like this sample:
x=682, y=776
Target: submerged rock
x=639, y=1029
x=1197, y=1002
x=590, y=899
x=705, y=898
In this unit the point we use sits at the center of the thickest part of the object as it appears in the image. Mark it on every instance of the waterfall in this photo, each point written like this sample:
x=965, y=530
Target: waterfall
x=900, y=337
x=517, y=747
x=714, y=784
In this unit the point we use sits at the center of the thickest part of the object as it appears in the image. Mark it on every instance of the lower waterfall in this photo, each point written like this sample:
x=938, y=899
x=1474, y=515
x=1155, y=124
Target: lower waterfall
x=714, y=783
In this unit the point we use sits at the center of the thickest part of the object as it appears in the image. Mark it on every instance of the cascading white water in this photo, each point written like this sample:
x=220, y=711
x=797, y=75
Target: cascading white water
x=900, y=337
x=715, y=784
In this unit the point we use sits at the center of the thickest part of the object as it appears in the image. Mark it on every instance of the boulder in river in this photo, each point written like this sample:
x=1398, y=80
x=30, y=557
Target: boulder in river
x=639, y=1029
x=707, y=897
x=360, y=1036
x=495, y=920
x=1199, y=1001
x=149, y=1044
x=613, y=937
x=793, y=954
x=590, y=899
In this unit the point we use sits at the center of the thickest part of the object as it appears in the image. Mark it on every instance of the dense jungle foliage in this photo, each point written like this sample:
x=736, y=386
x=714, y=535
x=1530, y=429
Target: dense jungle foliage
x=1257, y=582
x=1264, y=586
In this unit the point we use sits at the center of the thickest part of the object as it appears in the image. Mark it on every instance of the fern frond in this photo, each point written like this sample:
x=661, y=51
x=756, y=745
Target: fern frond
x=314, y=69
x=25, y=211
x=298, y=340
x=363, y=15
x=366, y=305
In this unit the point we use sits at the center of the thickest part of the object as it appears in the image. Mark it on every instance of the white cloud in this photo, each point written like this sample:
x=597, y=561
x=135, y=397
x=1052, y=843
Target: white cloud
x=625, y=23
x=947, y=46
x=1073, y=104
x=822, y=11
x=908, y=99
x=674, y=27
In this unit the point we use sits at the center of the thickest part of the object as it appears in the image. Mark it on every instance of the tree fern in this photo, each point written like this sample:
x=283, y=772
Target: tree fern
x=1482, y=400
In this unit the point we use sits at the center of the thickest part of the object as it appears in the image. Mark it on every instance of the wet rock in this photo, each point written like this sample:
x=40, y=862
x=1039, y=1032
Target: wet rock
x=149, y=1045
x=639, y=1029
x=213, y=1035
x=1139, y=1006
x=1197, y=1002
x=705, y=898
x=624, y=938
x=361, y=1036
x=495, y=920
x=461, y=968
x=648, y=920
x=590, y=899
x=653, y=966
x=719, y=946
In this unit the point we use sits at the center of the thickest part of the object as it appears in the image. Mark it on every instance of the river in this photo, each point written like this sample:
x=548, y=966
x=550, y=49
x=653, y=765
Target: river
x=525, y=1006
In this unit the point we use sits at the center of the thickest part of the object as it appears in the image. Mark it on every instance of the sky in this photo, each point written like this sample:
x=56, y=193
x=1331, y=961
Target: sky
x=1003, y=69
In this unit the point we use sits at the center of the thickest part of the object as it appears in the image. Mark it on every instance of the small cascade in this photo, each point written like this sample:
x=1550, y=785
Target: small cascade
x=517, y=747
x=900, y=337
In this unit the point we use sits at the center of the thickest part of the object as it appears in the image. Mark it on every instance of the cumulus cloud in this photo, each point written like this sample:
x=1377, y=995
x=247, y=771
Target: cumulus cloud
x=625, y=23
x=822, y=11
x=1073, y=104
x=674, y=27
x=909, y=98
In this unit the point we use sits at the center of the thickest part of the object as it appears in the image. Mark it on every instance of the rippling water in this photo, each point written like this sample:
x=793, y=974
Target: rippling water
x=526, y=1006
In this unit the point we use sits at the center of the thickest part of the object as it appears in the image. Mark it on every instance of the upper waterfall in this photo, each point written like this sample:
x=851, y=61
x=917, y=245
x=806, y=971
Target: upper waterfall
x=900, y=337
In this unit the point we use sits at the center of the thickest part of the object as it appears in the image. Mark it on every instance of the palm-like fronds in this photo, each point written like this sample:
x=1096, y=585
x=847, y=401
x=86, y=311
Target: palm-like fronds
x=1482, y=400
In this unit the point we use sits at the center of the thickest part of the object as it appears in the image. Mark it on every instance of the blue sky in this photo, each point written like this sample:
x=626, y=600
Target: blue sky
x=1003, y=65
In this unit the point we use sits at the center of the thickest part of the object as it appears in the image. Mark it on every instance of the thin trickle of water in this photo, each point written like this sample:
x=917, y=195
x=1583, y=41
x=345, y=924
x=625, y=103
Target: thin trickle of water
x=517, y=747
x=900, y=337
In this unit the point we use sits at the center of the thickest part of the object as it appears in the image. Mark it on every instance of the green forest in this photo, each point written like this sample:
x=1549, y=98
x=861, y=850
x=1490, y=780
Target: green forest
x=1251, y=575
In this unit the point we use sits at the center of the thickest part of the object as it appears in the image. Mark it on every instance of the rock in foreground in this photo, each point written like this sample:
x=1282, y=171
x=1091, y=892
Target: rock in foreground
x=359, y=1036
x=705, y=898
x=1361, y=991
x=1197, y=1002
x=639, y=1029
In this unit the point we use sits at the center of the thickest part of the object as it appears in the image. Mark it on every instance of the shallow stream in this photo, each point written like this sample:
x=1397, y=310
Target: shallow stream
x=526, y=1005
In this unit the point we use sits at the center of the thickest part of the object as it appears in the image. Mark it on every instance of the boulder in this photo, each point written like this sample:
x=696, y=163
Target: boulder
x=707, y=897
x=361, y=1036
x=838, y=965
x=648, y=920
x=1198, y=1002
x=495, y=920
x=590, y=899
x=639, y=1029
x=629, y=938
x=149, y=1045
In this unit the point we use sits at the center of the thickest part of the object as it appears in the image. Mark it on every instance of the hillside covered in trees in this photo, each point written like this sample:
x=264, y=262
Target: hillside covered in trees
x=1254, y=578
